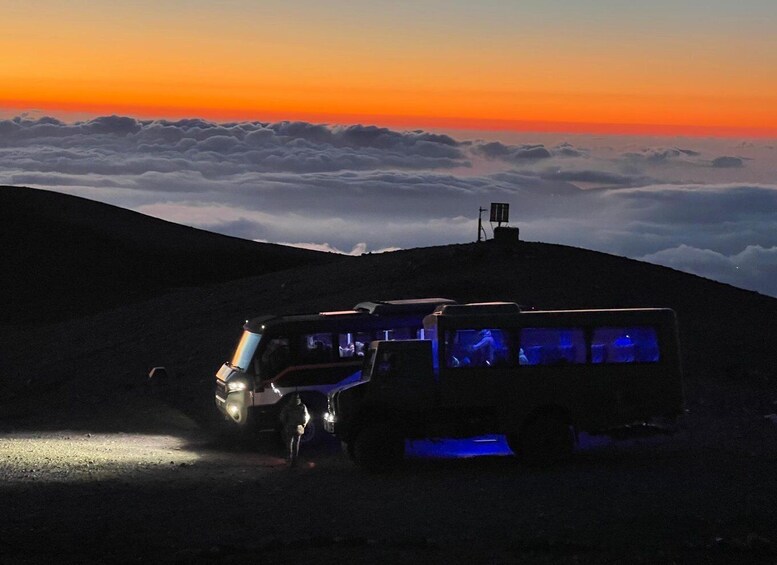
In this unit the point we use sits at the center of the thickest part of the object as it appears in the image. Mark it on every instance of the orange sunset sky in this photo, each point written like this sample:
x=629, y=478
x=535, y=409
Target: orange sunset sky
x=702, y=68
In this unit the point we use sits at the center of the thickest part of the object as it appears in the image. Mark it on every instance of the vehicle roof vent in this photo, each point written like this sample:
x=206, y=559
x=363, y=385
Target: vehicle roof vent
x=408, y=306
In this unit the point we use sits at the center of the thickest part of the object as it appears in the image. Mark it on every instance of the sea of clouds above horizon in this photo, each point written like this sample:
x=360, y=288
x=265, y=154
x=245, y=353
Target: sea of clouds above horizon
x=704, y=206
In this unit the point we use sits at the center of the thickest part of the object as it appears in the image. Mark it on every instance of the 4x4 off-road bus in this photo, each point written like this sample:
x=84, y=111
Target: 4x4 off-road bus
x=308, y=354
x=538, y=377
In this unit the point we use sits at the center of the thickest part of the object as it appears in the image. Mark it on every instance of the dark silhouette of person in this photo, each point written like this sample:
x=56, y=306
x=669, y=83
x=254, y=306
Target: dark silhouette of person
x=294, y=418
x=276, y=358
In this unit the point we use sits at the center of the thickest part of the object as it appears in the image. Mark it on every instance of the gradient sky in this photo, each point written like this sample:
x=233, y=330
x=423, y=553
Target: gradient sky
x=696, y=67
x=258, y=119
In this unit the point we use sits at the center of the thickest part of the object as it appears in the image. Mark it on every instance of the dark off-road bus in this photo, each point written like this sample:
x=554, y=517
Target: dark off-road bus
x=538, y=377
x=308, y=354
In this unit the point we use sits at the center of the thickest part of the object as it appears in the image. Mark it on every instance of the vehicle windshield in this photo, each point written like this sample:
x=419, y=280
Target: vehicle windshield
x=245, y=350
x=369, y=361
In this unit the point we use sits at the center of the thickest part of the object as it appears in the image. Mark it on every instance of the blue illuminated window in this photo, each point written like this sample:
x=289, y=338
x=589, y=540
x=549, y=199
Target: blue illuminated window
x=625, y=345
x=483, y=347
x=551, y=346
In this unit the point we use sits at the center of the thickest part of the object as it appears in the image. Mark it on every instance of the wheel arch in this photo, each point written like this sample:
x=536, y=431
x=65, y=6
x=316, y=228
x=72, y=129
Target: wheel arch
x=522, y=433
x=556, y=410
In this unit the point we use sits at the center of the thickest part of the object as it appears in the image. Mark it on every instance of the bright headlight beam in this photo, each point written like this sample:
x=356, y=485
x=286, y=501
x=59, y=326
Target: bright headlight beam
x=235, y=386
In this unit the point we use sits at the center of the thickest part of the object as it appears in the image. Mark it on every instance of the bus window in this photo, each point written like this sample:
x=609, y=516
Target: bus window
x=275, y=358
x=551, y=346
x=316, y=348
x=483, y=347
x=353, y=344
x=369, y=362
x=625, y=345
x=386, y=365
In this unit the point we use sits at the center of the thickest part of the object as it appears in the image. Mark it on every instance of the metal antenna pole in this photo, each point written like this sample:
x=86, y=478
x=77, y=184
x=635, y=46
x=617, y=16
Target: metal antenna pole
x=480, y=223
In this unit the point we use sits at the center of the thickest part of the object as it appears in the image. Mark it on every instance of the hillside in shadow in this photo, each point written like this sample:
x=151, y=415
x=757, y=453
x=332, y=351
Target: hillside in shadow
x=65, y=256
x=89, y=364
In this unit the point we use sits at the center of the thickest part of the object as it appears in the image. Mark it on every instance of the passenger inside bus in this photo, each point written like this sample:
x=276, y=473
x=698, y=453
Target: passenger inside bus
x=552, y=346
x=636, y=344
x=349, y=350
x=476, y=348
x=352, y=344
x=483, y=350
x=317, y=348
x=623, y=349
x=275, y=358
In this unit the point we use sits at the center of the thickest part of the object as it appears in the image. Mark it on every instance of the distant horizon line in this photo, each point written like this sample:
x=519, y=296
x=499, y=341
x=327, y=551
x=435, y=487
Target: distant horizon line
x=79, y=112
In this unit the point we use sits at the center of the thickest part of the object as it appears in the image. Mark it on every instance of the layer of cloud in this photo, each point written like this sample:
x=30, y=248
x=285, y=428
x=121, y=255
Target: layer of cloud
x=358, y=189
x=727, y=162
x=739, y=269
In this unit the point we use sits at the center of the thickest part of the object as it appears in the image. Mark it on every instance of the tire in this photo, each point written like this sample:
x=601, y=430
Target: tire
x=378, y=448
x=544, y=440
x=314, y=431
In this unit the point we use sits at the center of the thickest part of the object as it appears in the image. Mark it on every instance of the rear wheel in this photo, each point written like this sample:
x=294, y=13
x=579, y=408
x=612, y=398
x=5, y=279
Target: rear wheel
x=378, y=448
x=546, y=439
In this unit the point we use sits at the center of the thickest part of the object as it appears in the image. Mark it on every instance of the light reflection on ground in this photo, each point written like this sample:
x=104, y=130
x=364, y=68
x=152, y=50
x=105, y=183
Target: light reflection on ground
x=493, y=445
x=78, y=455
x=496, y=446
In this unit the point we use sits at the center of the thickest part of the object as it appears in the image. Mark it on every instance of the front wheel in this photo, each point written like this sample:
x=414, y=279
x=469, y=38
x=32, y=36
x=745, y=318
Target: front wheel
x=378, y=448
x=314, y=431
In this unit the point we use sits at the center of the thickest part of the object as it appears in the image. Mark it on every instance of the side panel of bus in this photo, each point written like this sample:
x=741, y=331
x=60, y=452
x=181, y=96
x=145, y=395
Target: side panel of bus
x=603, y=369
x=612, y=384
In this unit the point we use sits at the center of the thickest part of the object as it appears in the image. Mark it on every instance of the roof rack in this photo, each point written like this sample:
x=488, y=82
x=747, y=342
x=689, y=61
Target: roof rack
x=408, y=306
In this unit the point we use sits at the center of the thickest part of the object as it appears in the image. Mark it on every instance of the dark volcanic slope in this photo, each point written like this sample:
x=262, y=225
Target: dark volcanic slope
x=65, y=256
x=727, y=333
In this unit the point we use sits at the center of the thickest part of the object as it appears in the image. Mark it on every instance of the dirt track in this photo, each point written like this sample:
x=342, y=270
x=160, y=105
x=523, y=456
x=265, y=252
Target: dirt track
x=82, y=497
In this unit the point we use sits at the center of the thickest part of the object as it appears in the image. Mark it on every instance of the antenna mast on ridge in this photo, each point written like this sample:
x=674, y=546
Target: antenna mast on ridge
x=481, y=229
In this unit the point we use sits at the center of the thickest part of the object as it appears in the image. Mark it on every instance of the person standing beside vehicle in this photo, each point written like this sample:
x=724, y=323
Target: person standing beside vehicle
x=294, y=418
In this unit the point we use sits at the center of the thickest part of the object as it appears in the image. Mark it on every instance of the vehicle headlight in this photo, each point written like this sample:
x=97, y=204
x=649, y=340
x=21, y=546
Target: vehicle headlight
x=234, y=386
x=329, y=417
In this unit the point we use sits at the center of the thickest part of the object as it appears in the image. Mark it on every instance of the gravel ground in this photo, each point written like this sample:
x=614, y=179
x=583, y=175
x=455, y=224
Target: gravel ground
x=703, y=496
